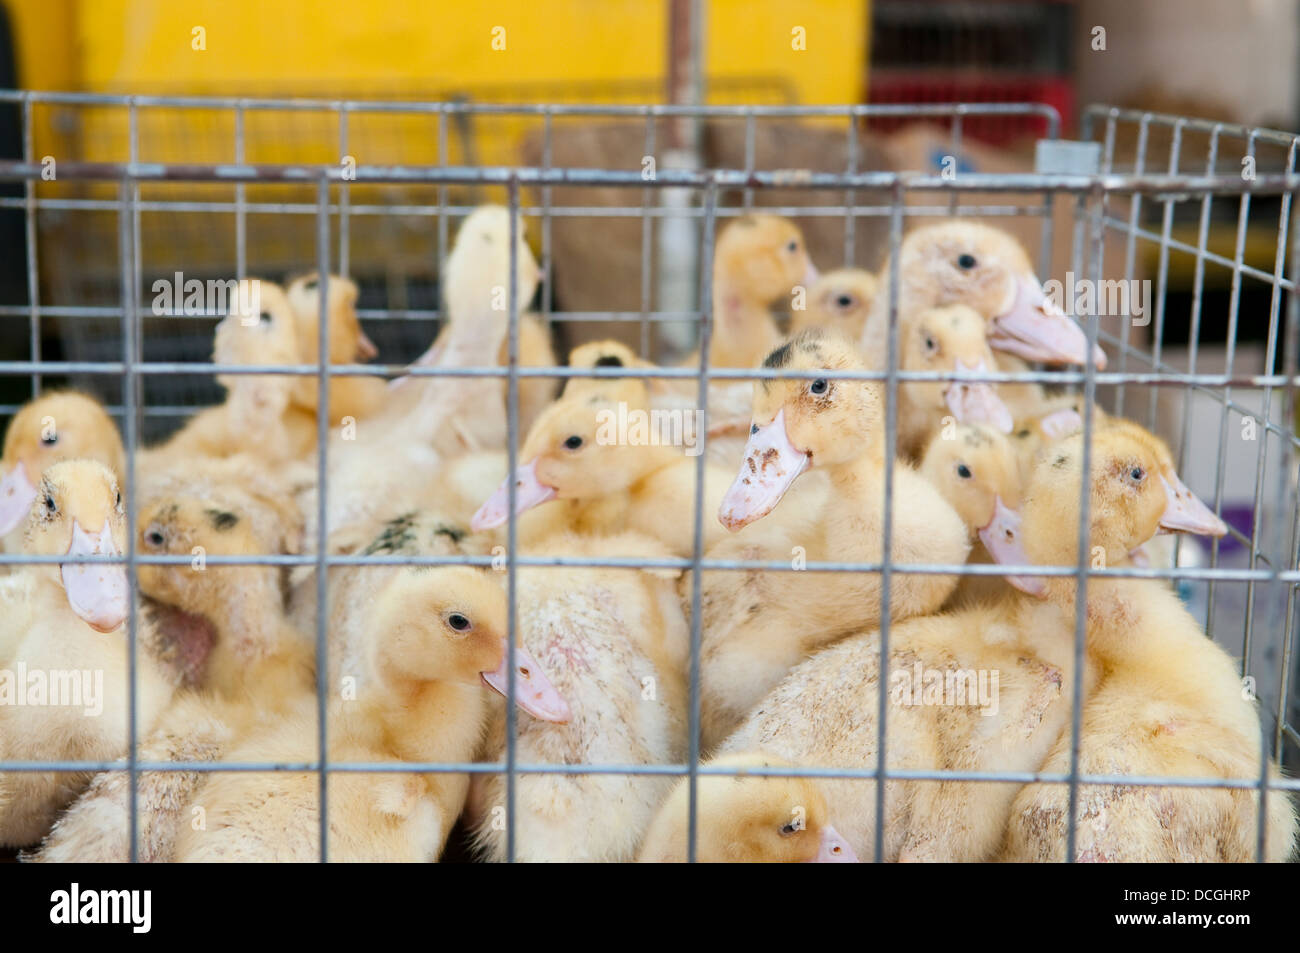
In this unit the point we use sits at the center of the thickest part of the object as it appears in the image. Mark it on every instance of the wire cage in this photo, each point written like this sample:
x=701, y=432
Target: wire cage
x=1202, y=209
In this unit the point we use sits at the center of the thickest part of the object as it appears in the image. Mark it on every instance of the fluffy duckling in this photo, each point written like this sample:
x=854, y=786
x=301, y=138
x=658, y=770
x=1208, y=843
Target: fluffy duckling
x=747, y=819
x=1166, y=701
x=757, y=260
x=987, y=688
x=355, y=397
x=258, y=416
x=390, y=464
x=616, y=642
x=949, y=338
x=63, y=626
x=838, y=301
x=964, y=262
x=757, y=626
x=59, y=425
x=974, y=467
x=586, y=453
x=436, y=636
x=225, y=627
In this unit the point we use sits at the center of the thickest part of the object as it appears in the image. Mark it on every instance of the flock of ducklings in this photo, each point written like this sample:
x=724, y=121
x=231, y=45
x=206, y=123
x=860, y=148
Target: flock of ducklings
x=789, y=661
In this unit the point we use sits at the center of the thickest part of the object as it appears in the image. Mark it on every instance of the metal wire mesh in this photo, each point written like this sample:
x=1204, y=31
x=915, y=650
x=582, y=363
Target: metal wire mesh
x=1154, y=170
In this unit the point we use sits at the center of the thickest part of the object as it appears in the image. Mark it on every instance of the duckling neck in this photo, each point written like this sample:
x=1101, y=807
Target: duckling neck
x=428, y=720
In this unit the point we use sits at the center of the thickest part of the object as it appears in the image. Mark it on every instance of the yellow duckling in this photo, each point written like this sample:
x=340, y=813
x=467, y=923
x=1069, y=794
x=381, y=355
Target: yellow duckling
x=224, y=627
x=757, y=626
x=436, y=636
x=62, y=636
x=615, y=642
x=747, y=819
x=838, y=301
x=949, y=338
x=58, y=425
x=985, y=268
x=987, y=688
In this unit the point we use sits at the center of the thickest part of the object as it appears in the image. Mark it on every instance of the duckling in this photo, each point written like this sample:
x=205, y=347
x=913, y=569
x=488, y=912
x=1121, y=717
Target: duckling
x=964, y=262
x=436, y=636
x=233, y=640
x=258, y=416
x=1167, y=700
x=585, y=453
x=58, y=425
x=975, y=468
x=839, y=301
x=64, y=623
x=986, y=688
x=757, y=259
x=747, y=819
x=757, y=626
x=390, y=463
x=355, y=397
x=616, y=643
x=949, y=338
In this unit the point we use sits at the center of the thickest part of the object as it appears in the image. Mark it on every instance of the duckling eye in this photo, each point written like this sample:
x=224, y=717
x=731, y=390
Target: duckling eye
x=264, y=317
x=792, y=827
x=793, y=246
x=931, y=344
x=458, y=622
x=49, y=439
x=1137, y=474
x=310, y=284
x=50, y=507
x=154, y=536
x=963, y=471
x=573, y=443
x=966, y=262
x=819, y=387
x=844, y=301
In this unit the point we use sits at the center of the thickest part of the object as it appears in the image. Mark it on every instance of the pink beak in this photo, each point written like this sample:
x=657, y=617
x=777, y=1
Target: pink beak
x=771, y=464
x=16, y=495
x=834, y=848
x=529, y=492
x=810, y=275
x=534, y=692
x=1061, y=423
x=96, y=592
x=1185, y=513
x=366, y=350
x=977, y=403
x=1001, y=537
x=1037, y=330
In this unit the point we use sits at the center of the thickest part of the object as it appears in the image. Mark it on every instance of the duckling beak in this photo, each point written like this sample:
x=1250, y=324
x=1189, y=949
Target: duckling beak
x=1060, y=424
x=96, y=592
x=771, y=464
x=1185, y=513
x=811, y=274
x=1035, y=328
x=534, y=692
x=16, y=495
x=366, y=350
x=529, y=492
x=834, y=848
x=1001, y=537
x=977, y=403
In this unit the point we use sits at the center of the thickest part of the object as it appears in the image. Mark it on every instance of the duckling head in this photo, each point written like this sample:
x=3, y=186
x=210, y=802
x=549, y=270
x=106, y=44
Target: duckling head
x=60, y=425
x=79, y=512
x=1135, y=494
x=974, y=467
x=749, y=819
x=347, y=341
x=761, y=258
x=448, y=623
x=962, y=262
x=799, y=422
x=578, y=449
x=838, y=300
x=951, y=338
x=261, y=329
x=476, y=276
x=607, y=354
